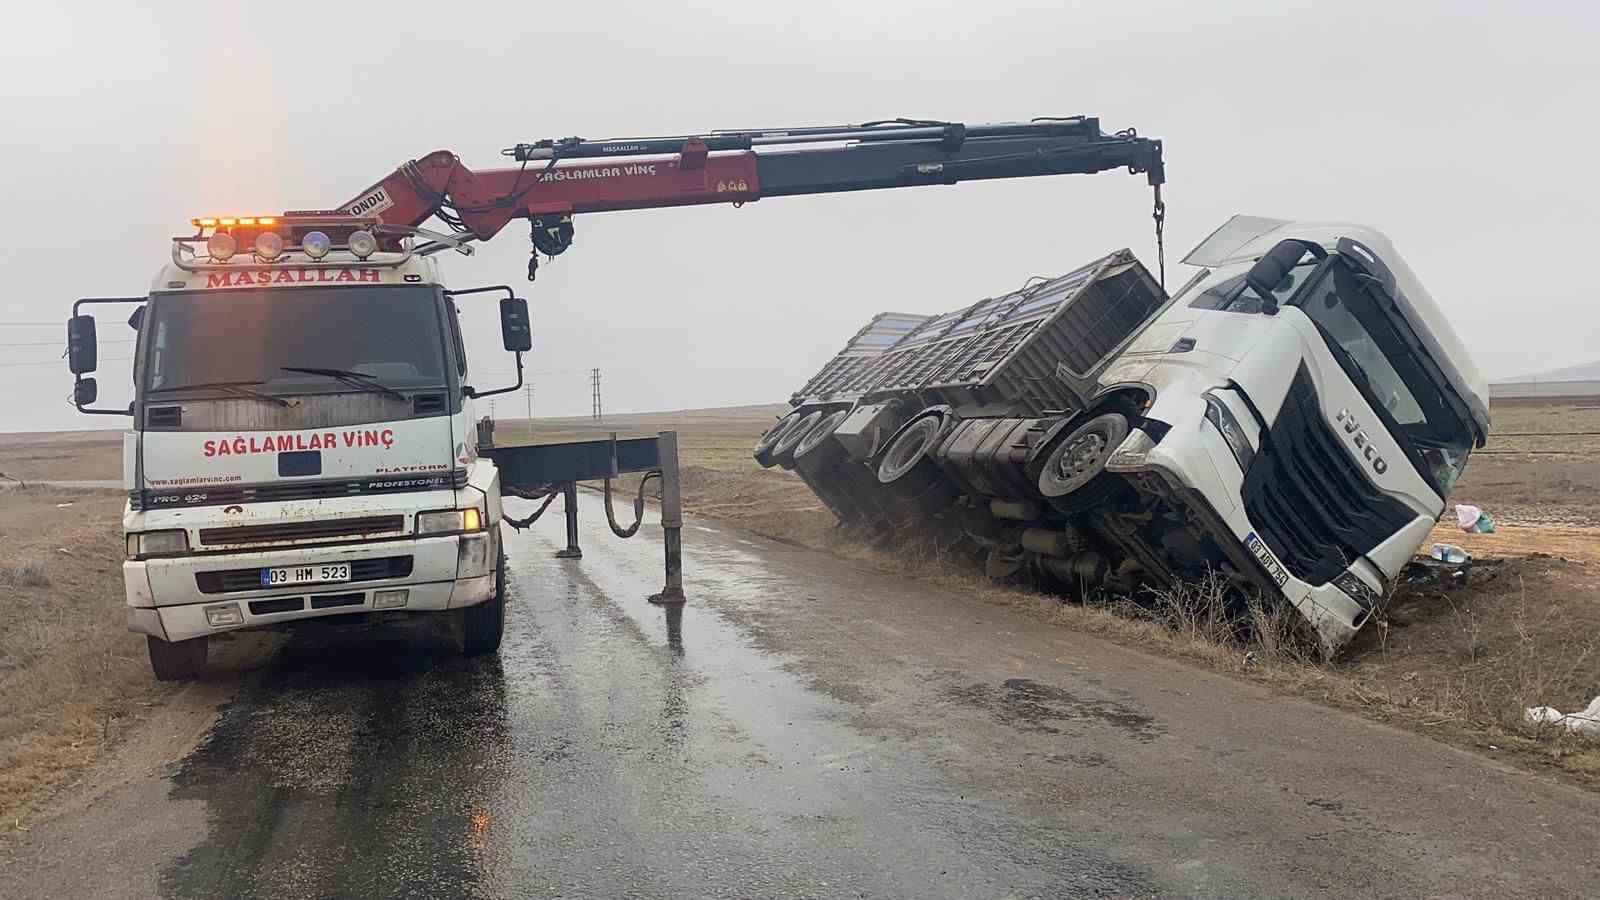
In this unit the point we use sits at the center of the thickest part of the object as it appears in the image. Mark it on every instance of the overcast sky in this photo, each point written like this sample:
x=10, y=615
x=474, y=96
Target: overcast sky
x=1465, y=130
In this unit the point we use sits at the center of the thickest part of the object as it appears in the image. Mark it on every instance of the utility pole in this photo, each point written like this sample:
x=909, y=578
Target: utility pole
x=528, y=389
x=594, y=375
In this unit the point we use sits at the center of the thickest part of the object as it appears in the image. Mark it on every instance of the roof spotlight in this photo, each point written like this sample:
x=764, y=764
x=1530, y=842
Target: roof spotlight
x=221, y=246
x=269, y=244
x=362, y=244
x=316, y=244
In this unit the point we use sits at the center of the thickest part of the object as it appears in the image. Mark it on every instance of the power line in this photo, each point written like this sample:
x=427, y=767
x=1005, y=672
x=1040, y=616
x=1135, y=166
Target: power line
x=595, y=374
x=57, y=362
x=60, y=343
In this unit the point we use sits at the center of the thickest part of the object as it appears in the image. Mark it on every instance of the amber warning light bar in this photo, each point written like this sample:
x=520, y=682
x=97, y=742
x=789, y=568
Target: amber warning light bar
x=268, y=237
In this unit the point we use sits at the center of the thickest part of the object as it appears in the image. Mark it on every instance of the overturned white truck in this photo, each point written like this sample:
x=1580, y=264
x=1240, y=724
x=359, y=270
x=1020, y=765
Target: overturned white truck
x=1290, y=422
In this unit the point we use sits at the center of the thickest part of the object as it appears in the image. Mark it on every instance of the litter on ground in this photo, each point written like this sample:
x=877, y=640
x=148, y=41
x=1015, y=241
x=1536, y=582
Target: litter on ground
x=1585, y=722
x=1473, y=520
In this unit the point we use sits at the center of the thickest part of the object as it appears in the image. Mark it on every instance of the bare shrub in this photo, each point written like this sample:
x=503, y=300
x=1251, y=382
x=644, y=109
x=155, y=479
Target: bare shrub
x=1278, y=632
x=1199, y=610
x=24, y=574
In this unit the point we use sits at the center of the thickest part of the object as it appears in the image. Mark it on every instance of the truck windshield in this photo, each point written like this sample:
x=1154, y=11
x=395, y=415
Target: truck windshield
x=389, y=334
x=1383, y=358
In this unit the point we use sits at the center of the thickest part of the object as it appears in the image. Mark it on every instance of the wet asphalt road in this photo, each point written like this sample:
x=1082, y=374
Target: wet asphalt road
x=802, y=728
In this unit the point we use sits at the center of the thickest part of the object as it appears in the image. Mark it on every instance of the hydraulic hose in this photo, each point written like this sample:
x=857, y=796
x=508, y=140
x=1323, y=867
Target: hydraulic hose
x=519, y=524
x=638, y=507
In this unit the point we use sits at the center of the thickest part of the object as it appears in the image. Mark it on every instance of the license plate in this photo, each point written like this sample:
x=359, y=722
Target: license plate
x=1270, y=562
x=318, y=574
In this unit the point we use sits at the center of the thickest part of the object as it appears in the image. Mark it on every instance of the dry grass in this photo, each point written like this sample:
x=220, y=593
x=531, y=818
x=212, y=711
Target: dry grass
x=24, y=574
x=62, y=456
x=70, y=673
x=1465, y=656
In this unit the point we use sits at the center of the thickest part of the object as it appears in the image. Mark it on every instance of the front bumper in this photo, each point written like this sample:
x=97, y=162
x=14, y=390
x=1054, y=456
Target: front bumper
x=165, y=598
x=1199, y=471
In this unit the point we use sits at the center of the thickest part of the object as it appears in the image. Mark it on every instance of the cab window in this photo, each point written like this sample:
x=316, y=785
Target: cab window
x=460, y=349
x=1383, y=358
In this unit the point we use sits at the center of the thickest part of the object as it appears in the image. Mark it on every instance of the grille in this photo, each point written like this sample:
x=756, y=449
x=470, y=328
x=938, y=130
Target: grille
x=282, y=605
x=163, y=416
x=427, y=404
x=230, y=580
x=295, y=531
x=329, y=601
x=1308, y=498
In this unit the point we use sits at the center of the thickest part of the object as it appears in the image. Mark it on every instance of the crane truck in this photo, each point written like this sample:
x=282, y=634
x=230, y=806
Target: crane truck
x=303, y=440
x=1285, y=429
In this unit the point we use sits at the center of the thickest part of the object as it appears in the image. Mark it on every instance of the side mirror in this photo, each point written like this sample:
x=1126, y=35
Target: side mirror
x=81, y=345
x=85, y=391
x=1270, y=270
x=516, y=330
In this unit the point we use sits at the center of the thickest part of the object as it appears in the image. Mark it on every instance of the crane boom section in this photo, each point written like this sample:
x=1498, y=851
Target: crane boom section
x=561, y=178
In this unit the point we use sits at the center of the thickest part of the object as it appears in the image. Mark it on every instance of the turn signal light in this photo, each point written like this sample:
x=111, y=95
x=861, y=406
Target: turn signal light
x=230, y=221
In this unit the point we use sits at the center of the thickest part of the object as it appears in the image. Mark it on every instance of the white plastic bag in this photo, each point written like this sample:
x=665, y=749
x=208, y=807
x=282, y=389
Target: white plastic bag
x=1467, y=516
x=1586, y=722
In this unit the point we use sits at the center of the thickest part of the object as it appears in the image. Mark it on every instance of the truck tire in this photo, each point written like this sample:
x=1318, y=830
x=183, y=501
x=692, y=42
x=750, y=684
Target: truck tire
x=484, y=624
x=1073, y=477
x=177, y=660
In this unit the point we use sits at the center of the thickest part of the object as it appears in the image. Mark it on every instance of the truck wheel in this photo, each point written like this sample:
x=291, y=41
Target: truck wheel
x=484, y=624
x=176, y=660
x=1073, y=476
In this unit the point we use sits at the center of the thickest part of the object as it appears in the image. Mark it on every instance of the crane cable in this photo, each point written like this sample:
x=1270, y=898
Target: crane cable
x=1160, y=216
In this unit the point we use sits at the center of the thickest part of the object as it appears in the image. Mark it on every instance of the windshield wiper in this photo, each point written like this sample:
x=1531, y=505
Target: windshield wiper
x=355, y=379
x=232, y=388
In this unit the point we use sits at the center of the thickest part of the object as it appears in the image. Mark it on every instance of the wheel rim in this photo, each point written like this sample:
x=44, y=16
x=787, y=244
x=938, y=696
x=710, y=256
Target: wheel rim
x=783, y=450
x=907, y=450
x=1082, y=456
x=819, y=433
x=776, y=432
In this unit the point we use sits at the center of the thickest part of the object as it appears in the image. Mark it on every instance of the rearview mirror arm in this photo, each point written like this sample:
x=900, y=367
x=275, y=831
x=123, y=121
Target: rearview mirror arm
x=470, y=391
x=77, y=377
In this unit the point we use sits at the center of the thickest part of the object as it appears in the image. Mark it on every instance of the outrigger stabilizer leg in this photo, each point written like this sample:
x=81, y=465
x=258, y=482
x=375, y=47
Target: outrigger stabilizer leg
x=569, y=500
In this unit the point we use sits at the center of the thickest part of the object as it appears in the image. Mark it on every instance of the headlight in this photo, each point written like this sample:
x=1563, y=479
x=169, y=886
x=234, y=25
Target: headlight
x=157, y=543
x=450, y=521
x=1219, y=415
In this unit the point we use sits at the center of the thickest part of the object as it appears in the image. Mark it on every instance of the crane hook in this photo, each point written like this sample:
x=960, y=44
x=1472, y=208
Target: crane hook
x=551, y=235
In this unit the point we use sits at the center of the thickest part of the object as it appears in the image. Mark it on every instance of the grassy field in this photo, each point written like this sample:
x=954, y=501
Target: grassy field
x=70, y=673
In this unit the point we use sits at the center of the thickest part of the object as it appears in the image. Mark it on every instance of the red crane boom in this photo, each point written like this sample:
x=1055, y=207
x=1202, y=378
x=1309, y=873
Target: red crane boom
x=559, y=178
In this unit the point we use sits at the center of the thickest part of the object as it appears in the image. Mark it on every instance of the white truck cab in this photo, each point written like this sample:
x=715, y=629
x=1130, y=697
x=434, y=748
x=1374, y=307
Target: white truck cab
x=1316, y=415
x=304, y=443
